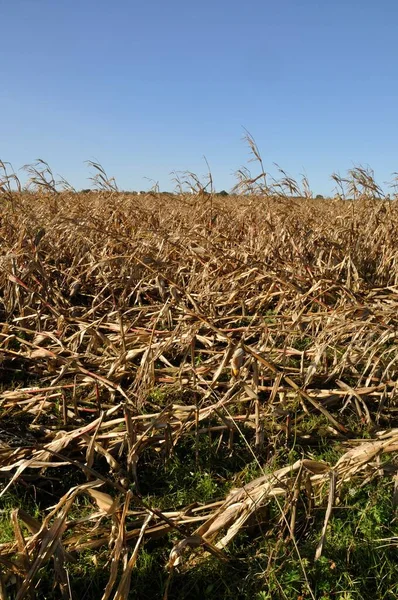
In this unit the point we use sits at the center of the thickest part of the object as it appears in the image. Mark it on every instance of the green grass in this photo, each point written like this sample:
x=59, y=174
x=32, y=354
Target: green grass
x=262, y=562
x=191, y=474
x=266, y=566
x=15, y=498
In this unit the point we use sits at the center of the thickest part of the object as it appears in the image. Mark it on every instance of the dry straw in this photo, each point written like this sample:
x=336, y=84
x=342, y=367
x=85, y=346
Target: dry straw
x=268, y=316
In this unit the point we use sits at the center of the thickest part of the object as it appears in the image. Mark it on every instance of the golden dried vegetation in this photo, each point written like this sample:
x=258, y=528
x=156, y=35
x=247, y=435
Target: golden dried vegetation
x=131, y=323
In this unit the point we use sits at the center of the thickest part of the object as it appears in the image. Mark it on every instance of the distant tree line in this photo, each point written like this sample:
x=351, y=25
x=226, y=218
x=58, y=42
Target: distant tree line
x=143, y=192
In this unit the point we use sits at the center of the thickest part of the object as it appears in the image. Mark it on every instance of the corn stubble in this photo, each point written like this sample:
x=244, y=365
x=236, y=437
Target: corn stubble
x=269, y=307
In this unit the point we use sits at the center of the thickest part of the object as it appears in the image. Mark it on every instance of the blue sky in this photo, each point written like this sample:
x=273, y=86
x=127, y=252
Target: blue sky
x=151, y=87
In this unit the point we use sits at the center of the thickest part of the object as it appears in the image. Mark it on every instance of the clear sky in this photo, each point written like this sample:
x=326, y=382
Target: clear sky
x=152, y=86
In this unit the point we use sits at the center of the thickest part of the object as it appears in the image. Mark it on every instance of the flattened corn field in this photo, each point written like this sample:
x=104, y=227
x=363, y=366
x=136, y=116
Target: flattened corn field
x=198, y=396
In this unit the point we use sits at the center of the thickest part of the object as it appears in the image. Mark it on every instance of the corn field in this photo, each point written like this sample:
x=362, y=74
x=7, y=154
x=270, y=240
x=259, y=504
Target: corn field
x=132, y=323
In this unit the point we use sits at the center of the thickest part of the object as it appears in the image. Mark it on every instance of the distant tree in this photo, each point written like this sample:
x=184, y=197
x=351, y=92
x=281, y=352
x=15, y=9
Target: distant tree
x=222, y=193
x=86, y=191
x=319, y=197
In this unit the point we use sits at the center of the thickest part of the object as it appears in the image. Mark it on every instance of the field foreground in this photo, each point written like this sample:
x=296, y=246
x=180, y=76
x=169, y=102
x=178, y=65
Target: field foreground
x=198, y=397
